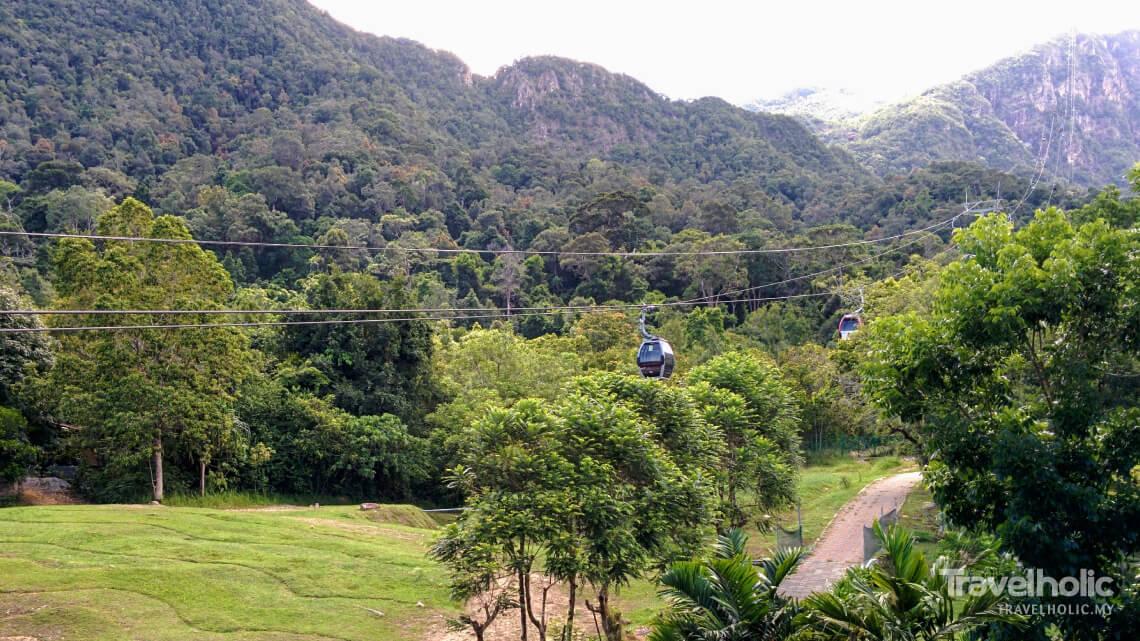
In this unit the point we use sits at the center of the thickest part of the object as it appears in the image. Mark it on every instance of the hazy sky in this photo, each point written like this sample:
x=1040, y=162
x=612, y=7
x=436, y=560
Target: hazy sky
x=743, y=50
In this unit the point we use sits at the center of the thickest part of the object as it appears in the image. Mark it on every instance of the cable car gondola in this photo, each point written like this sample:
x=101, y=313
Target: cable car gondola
x=853, y=322
x=848, y=325
x=655, y=356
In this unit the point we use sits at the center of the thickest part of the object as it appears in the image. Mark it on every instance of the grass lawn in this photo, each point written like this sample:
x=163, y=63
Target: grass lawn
x=825, y=484
x=919, y=515
x=179, y=573
x=158, y=573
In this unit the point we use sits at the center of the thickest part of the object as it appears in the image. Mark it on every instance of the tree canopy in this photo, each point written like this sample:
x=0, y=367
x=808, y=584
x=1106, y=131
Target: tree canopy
x=1021, y=382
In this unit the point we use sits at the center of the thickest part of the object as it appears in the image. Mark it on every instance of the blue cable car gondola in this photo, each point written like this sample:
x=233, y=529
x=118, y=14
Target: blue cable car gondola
x=655, y=356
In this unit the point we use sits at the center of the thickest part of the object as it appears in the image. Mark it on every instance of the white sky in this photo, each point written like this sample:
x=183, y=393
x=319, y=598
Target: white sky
x=739, y=51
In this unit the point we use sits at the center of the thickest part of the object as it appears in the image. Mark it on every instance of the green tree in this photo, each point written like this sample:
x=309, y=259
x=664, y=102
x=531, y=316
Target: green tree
x=753, y=476
x=778, y=326
x=505, y=363
x=610, y=341
x=704, y=333
x=16, y=453
x=747, y=400
x=669, y=411
x=21, y=352
x=515, y=482
x=592, y=487
x=479, y=576
x=468, y=275
x=1021, y=387
x=711, y=273
x=363, y=455
x=222, y=215
x=372, y=368
x=319, y=449
x=642, y=455
x=828, y=394
x=1109, y=206
x=484, y=368
x=71, y=210
x=8, y=193
x=138, y=395
x=756, y=378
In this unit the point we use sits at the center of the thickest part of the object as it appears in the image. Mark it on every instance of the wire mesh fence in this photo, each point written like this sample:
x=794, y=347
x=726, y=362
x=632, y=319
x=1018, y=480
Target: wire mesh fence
x=786, y=538
x=871, y=543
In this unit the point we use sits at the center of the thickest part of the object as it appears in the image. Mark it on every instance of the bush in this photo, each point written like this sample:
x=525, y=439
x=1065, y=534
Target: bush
x=16, y=453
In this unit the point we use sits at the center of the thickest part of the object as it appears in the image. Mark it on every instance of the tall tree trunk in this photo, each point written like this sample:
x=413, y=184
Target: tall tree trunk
x=158, y=478
x=522, y=604
x=568, y=631
x=538, y=621
x=733, y=520
x=202, y=477
x=610, y=625
x=524, y=594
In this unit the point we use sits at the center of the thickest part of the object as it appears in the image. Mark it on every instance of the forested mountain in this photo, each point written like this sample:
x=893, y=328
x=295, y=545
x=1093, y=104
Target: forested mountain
x=265, y=121
x=269, y=121
x=136, y=87
x=1073, y=103
x=244, y=248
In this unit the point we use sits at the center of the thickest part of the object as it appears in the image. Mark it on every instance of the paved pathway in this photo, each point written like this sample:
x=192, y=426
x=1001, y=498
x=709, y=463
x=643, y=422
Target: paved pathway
x=841, y=544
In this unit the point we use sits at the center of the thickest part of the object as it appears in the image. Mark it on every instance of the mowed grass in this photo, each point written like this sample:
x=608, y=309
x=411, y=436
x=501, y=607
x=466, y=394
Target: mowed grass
x=118, y=572
x=920, y=516
x=158, y=573
x=825, y=485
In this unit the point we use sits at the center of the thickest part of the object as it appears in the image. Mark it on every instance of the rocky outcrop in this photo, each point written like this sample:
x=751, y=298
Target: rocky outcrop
x=1069, y=109
x=559, y=99
x=1086, y=107
x=608, y=115
x=41, y=490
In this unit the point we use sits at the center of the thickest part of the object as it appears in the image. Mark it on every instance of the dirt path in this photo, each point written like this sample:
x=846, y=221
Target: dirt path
x=841, y=544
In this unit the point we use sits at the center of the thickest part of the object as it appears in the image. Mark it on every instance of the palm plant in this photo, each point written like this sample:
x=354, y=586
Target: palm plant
x=900, y=598
x=728, y=597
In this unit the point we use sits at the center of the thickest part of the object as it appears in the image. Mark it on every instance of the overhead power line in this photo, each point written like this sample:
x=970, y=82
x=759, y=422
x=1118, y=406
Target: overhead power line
x=304, y=312
x=349, y=321
x=1040, y=167
x=464, y=250
x=752, y=288
x=524, y=311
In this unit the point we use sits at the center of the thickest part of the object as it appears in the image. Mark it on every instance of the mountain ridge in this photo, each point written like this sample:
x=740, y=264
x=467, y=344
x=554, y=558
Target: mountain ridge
x=268, y=121
x=300, y=56
x=1014, y=115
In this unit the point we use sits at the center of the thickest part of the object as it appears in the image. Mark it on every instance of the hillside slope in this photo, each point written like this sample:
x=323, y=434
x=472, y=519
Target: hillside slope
x=135, y=572
x=268, y=121
x=1080, y=112
x=137, y=86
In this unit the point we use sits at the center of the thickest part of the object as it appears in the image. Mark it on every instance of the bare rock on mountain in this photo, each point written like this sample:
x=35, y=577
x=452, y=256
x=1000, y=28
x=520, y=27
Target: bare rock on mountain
x=1067, y=109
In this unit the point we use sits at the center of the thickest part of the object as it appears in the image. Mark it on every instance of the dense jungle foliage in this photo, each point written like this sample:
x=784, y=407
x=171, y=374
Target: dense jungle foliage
x=232, y=121
x=1003, y=354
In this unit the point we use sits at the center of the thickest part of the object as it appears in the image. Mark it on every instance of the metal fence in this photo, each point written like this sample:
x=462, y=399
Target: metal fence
x=846, y=442
x=785, y=538
x=871, y=543
x=791, y=537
